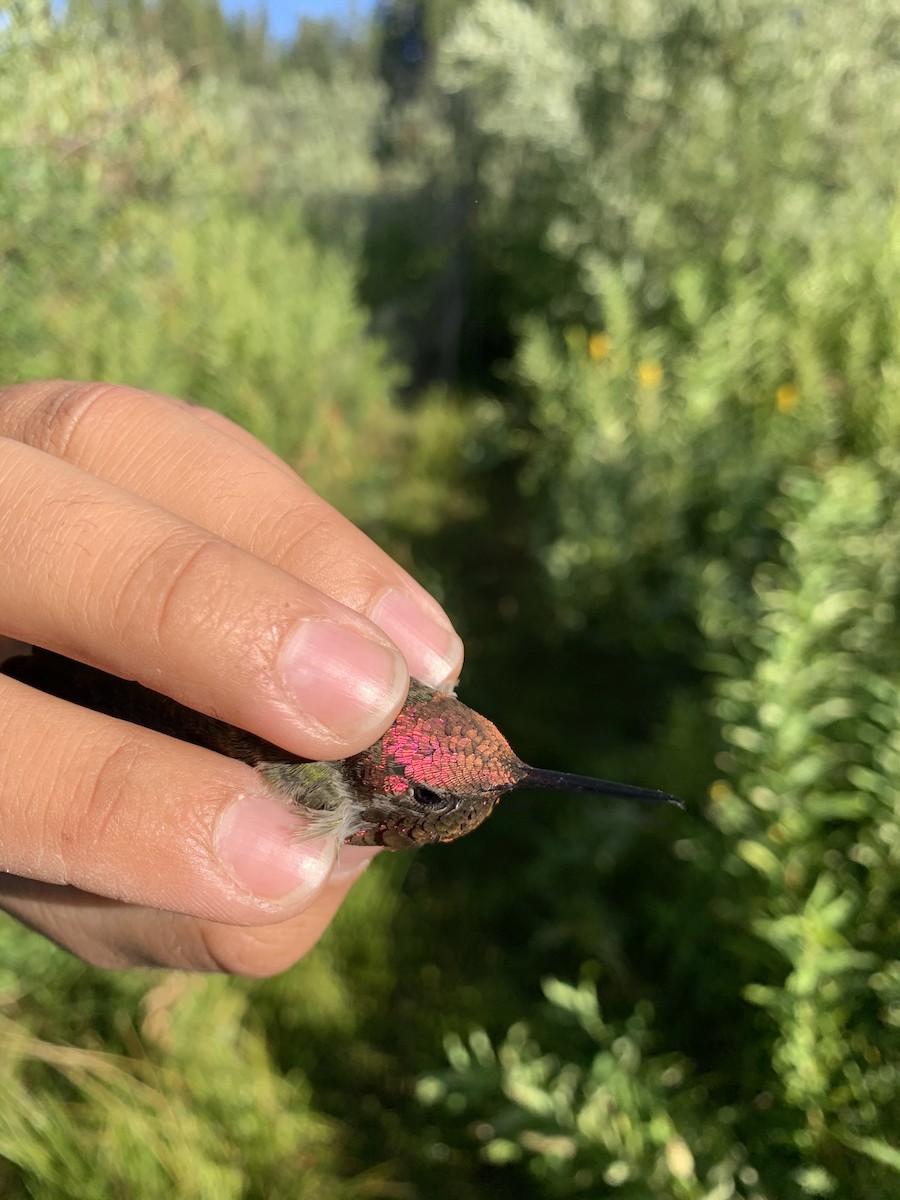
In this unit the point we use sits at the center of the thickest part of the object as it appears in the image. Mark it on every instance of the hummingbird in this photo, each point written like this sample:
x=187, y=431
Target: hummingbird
x=435, y=775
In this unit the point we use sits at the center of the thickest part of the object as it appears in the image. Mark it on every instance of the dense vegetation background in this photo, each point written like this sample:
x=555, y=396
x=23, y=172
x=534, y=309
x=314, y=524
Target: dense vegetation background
x=588, y=312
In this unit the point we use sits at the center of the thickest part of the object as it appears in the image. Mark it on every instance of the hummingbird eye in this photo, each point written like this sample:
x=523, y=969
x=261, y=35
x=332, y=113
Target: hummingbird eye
x=426, y=797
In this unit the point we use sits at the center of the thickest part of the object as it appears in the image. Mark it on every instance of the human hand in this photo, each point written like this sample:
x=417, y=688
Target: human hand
x=161, y=542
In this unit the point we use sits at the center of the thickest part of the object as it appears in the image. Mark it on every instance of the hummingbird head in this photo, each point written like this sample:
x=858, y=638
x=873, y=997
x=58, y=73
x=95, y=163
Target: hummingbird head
x=440, y=769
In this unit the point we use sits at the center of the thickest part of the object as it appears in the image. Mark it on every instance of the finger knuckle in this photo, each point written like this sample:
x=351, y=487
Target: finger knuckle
x=314, y=540
x=172, y=587
x=61, y=413
x=92, y=818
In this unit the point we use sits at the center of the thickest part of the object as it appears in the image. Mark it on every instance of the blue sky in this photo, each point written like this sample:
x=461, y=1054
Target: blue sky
x=284, y=14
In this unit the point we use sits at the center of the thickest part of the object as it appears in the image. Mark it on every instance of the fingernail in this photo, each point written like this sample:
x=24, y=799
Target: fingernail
x=258, y=842
x=341, y=678
x=433, y=650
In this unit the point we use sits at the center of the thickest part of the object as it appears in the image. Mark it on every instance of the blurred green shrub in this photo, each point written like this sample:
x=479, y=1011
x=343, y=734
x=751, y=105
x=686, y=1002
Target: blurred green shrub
x=151, y=234
x=613, y=1115
x=803, y=890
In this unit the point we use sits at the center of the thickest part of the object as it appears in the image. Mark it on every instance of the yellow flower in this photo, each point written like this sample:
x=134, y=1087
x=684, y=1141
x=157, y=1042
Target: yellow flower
x=787, y=397
x=719, y=791
x=599, y=346
x=650, y=373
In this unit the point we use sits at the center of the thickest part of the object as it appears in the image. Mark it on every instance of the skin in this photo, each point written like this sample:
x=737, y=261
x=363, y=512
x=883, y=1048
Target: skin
x=161, y=542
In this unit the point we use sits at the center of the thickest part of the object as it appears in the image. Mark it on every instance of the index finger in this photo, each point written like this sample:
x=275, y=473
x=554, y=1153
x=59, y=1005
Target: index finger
x=103, y=576
x=199, y=466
